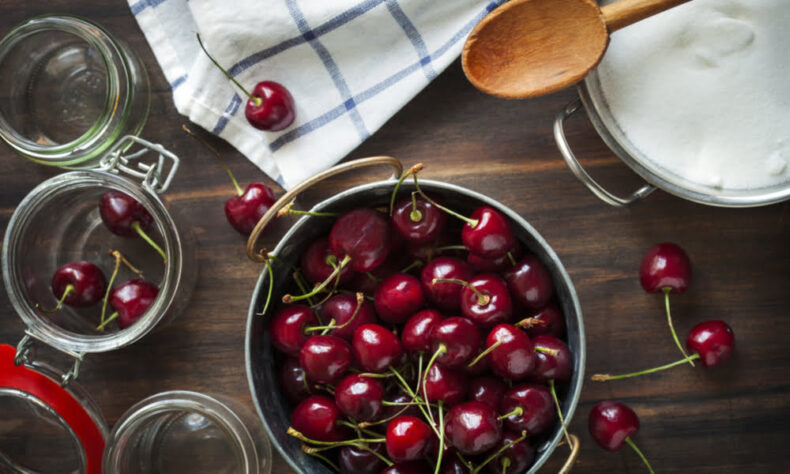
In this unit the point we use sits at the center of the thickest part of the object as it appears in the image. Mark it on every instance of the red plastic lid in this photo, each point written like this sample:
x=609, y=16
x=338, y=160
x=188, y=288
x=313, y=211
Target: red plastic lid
x=59, y=400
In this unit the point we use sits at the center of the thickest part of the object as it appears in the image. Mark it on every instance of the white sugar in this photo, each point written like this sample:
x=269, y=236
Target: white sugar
x=703, y=90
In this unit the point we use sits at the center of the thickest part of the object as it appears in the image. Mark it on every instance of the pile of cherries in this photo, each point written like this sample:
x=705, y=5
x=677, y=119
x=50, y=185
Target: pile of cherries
x=412, y=354
x=83, y=284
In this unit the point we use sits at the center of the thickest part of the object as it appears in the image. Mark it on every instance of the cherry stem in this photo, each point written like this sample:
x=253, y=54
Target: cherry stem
x=471, y=222
x=511, y=258
x=605, y=377
x=373, y=452
x=505, y=464
x=66, y=292
x=441, y=439
x=117, y=267
x=144, y=236
x=311, y=452
x=332, y=325
x=482, y=299
x=322, y=285
x=527, y=323
x=257, y=100
x=100, y=327
x=365, y=424
x=499, y=452
x=225, y=166
x=296, y=434
x=518, y=411
x=642, y=456
x=288, y=210
x=451, y=247
x=372, y=277
x=413, y=397
x=546, y=350
x=672, y=327
x=297, y=276
x=413, y=170
x=415, y=215
x=415, y=264
x=439, y=351
x=559, y=413
x=485, y=353
x=271, y=287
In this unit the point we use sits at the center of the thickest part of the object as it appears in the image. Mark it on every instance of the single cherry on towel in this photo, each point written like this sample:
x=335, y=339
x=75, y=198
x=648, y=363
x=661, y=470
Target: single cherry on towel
x=77, y=284
x=125, y=216
x=270, y=107
x=612, y=424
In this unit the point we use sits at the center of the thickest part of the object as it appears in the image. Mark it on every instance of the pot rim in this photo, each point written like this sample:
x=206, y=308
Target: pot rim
x=577, y=380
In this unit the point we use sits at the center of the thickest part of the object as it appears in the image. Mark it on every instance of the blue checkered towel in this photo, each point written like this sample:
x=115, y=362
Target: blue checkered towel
x=349, y=64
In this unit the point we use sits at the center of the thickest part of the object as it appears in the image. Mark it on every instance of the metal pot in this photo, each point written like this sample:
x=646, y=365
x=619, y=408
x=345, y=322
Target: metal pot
x=271, y=404
x=592, y=97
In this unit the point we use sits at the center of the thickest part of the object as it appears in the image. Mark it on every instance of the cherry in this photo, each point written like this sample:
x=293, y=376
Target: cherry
x=375, y=348
x=131, y=300
x=245, y=210
x=496, y=265
x=416, y=334
x=554, y=362
x=665, y=267
x=360, y=397
x=453, y=465
x=473, y=427
x=445, y=384
x=316, y=263
x=325, y=358
x=363, y=235
x=528, y=408
x=408, y=439
x=288, y=328
x=125, y=216
x=410, y=467
x=418, y=220
x=510, y=352
x=293, y=381
x=515, y=459
x=78, y=284
x=270, y=106
x=446, y=296
x=714, y=341
x=488, y=390
x=341, y=309
x=612, y=424
x=530, y=282
x=490, y=236
x=398, y=297
x=354, y=460
x=548, y=320
x=454, y=341
x=317, y=418
x=486, y=301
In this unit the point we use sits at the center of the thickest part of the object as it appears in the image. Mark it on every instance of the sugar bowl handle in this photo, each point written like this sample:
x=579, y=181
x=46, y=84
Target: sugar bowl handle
x=257, y=255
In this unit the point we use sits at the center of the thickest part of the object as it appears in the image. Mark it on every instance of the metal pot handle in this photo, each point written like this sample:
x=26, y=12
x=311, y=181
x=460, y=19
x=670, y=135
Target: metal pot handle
x=255, y=254
x=580, y=173
x=566, y=468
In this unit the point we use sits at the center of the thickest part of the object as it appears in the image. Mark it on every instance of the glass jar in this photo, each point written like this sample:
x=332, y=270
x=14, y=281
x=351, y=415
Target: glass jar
x=59, y=222
x=68, y=91
x=46, y=428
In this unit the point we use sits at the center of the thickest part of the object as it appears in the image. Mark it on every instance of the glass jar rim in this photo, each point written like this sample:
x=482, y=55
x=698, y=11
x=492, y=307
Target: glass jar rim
x=100, y=39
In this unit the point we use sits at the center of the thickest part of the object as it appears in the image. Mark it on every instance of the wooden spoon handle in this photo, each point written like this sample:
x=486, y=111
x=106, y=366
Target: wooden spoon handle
x=625, y=12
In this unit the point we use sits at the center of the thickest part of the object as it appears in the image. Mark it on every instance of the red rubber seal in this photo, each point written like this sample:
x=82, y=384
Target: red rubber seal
x=59, y=400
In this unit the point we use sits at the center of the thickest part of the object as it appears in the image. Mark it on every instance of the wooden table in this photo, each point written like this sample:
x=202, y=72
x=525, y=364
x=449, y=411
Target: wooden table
x=730, y=419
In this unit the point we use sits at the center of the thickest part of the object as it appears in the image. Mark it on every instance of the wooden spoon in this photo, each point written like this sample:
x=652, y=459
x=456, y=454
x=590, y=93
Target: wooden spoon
x=528, y=48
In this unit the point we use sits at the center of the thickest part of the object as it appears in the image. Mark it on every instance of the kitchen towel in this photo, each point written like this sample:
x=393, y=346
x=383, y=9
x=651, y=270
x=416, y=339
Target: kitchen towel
x=349, y=64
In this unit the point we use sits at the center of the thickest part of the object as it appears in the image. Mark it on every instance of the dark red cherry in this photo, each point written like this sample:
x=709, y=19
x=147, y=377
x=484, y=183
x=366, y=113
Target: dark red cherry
x=354, y=460
x=360, y=397
x=550, y=366
x=410, y=467
x=515, y=459
x=364, y=235
x=714, y=341
x=551, y=321
x=317, y=418
x=398, y=408
x=530, y=282
x=496, y=265
x=457, y=338
x=665, y=265
x=398, y=297
x=536, y=407
x=315, y=263
x=84, y=282
x=325, y=358
x=293, y=382
x=244, y=211
x=473, y=428
x=445, y=384
x=131, y=300
x=119, y=212
x=492, y=237
x=513, y=357
x=408, y=439
x=418, y=222
x=490, y=304
x=611, y=423
x=271, y=107
x=375, y=348
x=341, y=308
x=416, y=334
x=488, y=390
x=453, y=465
x=288, y=328
x=446, y=296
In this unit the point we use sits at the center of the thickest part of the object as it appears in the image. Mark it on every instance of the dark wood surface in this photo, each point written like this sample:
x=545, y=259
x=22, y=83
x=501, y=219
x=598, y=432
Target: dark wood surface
x=731, y=419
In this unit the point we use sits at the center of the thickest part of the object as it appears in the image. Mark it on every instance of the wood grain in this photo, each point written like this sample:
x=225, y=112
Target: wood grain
x=731, y=419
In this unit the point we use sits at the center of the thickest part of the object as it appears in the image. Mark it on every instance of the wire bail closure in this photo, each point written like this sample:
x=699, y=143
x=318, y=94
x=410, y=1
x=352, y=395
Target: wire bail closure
x=24, y=355
x=117, y=161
